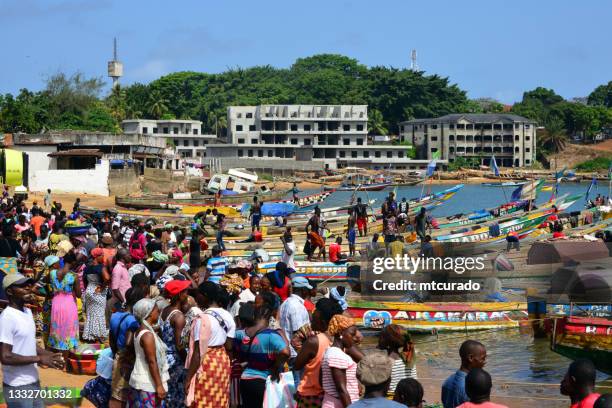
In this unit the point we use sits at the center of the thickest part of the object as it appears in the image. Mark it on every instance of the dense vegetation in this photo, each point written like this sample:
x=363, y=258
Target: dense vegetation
x=600, y=163
x=393, y=95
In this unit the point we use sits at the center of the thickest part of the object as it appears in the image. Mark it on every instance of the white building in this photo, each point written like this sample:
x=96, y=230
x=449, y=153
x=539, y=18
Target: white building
x=335, y=136
x=185, y=135
x=510, y=138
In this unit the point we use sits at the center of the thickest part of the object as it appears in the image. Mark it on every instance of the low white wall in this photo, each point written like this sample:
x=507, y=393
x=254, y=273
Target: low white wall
x=38, y=158
x=91, y=181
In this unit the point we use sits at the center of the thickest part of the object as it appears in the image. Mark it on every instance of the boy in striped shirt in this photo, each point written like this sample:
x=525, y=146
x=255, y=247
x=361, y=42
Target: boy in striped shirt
x=216, y=266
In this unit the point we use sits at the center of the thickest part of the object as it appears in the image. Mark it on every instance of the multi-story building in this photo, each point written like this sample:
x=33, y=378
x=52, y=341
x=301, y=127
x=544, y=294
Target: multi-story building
x=510, y=138
x=334, y=135
x=185, y=135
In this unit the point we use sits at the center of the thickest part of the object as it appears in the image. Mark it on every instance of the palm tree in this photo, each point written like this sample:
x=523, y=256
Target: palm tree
x=554, y=135
x=376, y=123
x=117, y=104
x=157, y=104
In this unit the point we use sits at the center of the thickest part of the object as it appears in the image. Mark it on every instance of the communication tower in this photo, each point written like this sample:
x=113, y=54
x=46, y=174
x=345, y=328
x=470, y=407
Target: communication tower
x=115, y=68
x=413, y=61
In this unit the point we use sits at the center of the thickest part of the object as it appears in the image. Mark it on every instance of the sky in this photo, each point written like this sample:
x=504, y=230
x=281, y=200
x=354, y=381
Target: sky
x=494, y=48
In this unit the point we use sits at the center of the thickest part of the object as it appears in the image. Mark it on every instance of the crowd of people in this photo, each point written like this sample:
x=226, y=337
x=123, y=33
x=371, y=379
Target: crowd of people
x=180, y=329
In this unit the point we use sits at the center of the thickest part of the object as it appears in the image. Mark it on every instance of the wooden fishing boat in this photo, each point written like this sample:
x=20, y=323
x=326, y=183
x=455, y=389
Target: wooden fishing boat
x=368, y=187
x=584, y=337
x=503, y=184
x=437, y=317
x=154, y=201
x=316, y=271
x=362, y=182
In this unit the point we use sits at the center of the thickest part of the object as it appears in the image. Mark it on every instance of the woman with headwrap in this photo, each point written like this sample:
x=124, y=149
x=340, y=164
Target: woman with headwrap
x=64, y=318
x=397, y=343
x=338, y=368
x=149, y=378
x=212, y=333
x=310, y=391
x=281, y=283
x=339, y=294
x=96, y=279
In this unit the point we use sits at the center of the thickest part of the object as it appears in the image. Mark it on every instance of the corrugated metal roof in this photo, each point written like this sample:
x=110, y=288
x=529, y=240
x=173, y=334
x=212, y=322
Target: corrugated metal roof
x=77, y=153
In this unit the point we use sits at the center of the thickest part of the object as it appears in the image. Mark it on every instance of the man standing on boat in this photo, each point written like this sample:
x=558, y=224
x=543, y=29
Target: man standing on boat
x=361, y=212
x=313, y=232
x=295, y=191
x=255, y=214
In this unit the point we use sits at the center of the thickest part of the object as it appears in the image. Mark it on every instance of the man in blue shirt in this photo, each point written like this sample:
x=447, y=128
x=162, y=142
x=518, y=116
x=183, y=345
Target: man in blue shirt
x=473, y=355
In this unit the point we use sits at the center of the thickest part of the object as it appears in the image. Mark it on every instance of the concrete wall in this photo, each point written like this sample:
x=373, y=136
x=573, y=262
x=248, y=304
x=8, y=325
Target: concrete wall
x=38, y=159
x=269, y=165
x=94, y=181
x=123, y=181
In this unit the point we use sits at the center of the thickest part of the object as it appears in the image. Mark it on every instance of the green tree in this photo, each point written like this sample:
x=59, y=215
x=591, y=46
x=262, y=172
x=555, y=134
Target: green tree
x=602, y=96
x=157, y=104
x=100, y=118
x=554, y=136
x=117, y=104
x=376, y=123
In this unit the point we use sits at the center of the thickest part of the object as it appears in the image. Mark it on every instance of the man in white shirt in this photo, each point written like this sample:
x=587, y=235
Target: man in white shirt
x=19, y=354
x=247, y=295
x=288, y=249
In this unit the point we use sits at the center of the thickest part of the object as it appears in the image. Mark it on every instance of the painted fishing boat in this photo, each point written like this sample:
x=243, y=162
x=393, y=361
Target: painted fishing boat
x=503, y=184
x=584, y=337
x=438, y=317
x=368, y=187
x=362, y=182
x=176, y=201
x=316, y=271
x=494, y=232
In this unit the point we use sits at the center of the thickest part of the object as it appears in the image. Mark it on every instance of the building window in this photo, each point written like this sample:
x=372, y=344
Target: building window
x=360, y=127
x=451, y=149
x=516, y=126
x=527, y=150
x=460, y=138
x=166, y=131
x=434, y=138
x=241, y=141
x=359, y=142
x=451, y=138
x=516, y=149
x=270, y=153
x=175, y=130
x=434, y=149
x=239, y=115
x=185, y=142
x=342, y=153
x=294, y=141
x=527, y=138
x=307, y=128
x=306, y=142
x=260, y=153
x=526, y=126
x=346, y=141
x=434, y=126
x=238, y=128
x=346, y=128
x=389, y=154
x=527, y=161
x=196, y=143
x=250, y=153
x=451, y=126
x=253, y=141
x=252, y=128
x=176, y=142
x=204, y=142
x=366, y=154
x=293, y=128
x=469, y=138
x=354, y=154
x=516, y=138
x=377, y=153
x=154, y=130
x=145, y=130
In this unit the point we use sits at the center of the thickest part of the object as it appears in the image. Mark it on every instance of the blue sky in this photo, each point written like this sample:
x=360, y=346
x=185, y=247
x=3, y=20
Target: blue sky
x=493, y=48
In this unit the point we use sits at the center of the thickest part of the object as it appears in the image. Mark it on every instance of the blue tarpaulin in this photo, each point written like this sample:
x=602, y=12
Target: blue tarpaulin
x=272, y=209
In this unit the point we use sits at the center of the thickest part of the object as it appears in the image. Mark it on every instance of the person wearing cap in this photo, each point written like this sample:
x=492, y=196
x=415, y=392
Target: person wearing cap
x=64, y=317
x=339, y=369
x=172, y=323
x=374, y=372
x=294, y=318
x=19, y=354
x=97, y=278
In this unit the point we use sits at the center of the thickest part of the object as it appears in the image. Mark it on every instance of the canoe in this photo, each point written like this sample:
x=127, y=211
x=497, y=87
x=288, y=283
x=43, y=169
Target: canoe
x=442, y=316
x=164, y=201
x=584, y=337
x=363, y=187
x=503, y=184
x=316, y=271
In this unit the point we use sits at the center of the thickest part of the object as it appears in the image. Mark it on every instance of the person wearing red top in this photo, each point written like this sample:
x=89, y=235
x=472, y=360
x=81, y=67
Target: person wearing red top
x=335, y=254
x=478, y=386
x=579, y=384
x=281, y=284
x=36, y=222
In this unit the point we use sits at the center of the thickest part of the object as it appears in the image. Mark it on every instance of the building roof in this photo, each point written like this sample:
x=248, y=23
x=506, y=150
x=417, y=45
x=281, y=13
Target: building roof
x=473, y=117
x=77, y=153
x=177, y=121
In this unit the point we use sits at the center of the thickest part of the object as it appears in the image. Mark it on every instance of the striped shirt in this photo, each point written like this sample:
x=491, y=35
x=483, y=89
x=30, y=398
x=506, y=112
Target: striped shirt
x=262, y=353
x=399, y=371
x=216, y=268
x=336, y=358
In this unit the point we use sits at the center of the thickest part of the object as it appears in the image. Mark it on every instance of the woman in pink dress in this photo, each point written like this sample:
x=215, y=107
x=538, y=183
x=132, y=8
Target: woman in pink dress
x=64, y=320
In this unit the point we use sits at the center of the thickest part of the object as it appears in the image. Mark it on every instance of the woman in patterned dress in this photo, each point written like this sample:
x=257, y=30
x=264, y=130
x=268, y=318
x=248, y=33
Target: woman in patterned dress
x=172, y=322
x=64, y=321
x=96, y=279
